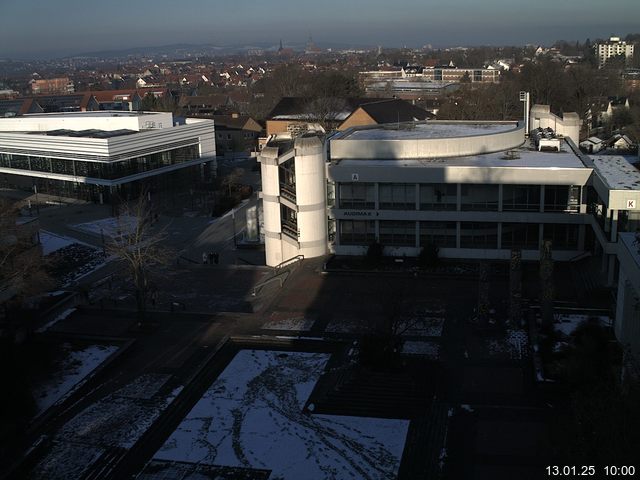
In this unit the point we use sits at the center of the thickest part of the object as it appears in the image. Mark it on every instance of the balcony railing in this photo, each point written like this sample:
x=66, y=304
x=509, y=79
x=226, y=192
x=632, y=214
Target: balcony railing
x=290, y=229
x=288, y=192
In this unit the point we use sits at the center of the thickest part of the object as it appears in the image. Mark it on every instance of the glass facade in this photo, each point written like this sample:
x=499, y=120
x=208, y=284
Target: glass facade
x=174, y=182
x=438, y=196
x=562, y=236
x=478, y=235
x=398, y=233
x=357, y=195
x=441, y=234
x=520, y=235
x=101, y=170
x=357, y=232
x=521, y=198
x=397, y=196
x=561, y=198
x=479, y=197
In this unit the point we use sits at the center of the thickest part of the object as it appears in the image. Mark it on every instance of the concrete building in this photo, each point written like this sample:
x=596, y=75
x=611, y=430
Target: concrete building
x=94, y=155
x=568, y=125
x=613, y=48
x=627, y=323
x=51, y=86
x=477, y=190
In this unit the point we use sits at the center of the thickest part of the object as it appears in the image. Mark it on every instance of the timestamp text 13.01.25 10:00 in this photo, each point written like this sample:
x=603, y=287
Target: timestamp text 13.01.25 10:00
x=590, y=471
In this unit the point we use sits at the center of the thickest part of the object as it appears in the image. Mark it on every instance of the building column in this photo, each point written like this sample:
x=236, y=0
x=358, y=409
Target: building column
x=376, y=194
x=620, y=301
x=540, y=234
x=583, y=200
x=499, y=201
x=417, y=231
x=542, y=187
x=614, y=225
x=458, y=200
x=611, y=270
x=500, y=228
x=458, y=229
x=417, y=196
x=581, y=237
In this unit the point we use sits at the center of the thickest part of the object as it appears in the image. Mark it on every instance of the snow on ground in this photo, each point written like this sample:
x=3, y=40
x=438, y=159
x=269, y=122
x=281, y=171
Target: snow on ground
x=421, y=348
x=421, y=326
x=252, y=416
x=62, y=316
x=514, y=345
x=119, y=420
x=566, y=323
x=51, y=242
x=111, y=227
x=74, y=367
x=344, y=325
x=116, y=421
x=66, y=462
x=285, y=321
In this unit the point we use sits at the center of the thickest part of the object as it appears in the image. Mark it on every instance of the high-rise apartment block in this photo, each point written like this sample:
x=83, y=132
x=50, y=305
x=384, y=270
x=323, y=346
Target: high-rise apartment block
x=613, y=48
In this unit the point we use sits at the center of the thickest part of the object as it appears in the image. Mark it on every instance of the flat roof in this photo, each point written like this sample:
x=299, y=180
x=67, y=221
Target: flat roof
x=516, y=158
x=99, y=114
x=89, y=133
x=617, y=172
x=428, y=130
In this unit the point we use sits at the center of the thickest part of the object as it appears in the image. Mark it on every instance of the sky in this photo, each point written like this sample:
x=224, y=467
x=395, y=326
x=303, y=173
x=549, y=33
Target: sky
x=49, y=28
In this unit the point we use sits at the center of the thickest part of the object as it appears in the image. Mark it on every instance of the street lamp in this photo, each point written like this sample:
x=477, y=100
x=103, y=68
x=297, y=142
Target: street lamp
x=525, y=98
x=35, y=190
x=233, y=222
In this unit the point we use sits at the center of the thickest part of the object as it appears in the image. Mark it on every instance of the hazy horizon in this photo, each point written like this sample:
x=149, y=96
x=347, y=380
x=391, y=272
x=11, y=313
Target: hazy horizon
x=72, y=27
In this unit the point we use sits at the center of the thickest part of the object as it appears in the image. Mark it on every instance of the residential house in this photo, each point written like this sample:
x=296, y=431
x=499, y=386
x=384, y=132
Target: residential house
x=236, y=133
x=385, y=112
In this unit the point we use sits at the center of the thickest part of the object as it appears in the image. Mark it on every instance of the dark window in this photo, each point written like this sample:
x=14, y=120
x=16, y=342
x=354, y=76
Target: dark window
x=478, y=235
x=398, y=233
x=438, y=196
x=357, y=232
x=397, y=196
x=479, y=197
x=562, y=236
x=521, y=198
x=442, y=234
x=561, y=198
x=357, y=195
x=520, y=235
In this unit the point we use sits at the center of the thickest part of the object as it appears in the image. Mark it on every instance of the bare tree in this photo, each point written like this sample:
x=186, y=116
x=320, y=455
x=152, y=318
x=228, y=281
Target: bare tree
x=140, y=247
x=325, y=111
x=22, y=269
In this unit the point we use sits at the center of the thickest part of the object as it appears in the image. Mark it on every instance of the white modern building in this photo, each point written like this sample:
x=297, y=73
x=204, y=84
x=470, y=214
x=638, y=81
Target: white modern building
x=613, y=48
x=477, y=190
x=94, y=155
x=627, y=325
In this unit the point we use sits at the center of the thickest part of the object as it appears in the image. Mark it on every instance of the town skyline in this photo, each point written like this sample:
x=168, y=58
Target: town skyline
x=69, y=28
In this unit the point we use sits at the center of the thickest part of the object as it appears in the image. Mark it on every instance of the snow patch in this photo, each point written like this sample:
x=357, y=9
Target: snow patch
x=567, y=323
x=76, y=365
x=252, y=417
x=51, y=242
x=421, y=348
